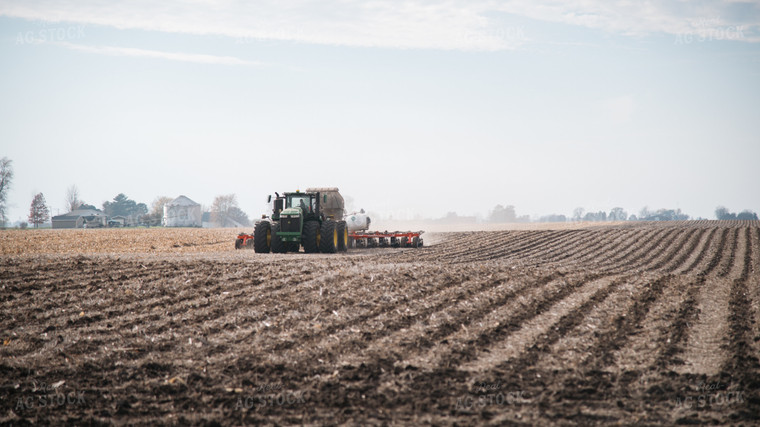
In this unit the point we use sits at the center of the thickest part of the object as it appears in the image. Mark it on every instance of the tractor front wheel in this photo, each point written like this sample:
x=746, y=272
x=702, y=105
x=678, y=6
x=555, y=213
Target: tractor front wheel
x=312, y=237
x=278, y=246
x=262, y=237
x=342, y=236
x=329, y=244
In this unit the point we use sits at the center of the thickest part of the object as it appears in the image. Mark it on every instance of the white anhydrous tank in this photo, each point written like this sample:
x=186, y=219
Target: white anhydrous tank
x=357, y=221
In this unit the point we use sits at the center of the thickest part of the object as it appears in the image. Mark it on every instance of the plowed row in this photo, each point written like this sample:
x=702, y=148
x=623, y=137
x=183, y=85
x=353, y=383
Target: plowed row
x=635, y=323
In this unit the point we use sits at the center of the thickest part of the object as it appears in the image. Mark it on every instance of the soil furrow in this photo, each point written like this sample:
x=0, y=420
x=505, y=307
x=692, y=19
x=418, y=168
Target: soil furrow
x=358, y=342
x=466, y=351
x=718, y=255
x=743, y=366
x=705, y=248
x=545, y=330
x=688, y=253
x=624, y=325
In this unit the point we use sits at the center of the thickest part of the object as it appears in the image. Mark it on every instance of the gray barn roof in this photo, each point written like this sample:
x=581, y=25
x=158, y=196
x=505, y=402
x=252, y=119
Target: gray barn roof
x=77, y=213
x=182, y=201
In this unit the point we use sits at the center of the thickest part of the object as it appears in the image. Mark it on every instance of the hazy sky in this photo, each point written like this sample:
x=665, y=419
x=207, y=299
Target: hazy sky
x=413, y=108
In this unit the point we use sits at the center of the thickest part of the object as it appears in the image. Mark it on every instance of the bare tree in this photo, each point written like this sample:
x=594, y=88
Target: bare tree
x=618, y=214
x=6, y=178
x=39, y=212
x=239, y=216
x=503, y=214
x=645, y=213
x=578, y=214
x=722, y=213
x=157, y=209
x=221, y=209
x=72, y=198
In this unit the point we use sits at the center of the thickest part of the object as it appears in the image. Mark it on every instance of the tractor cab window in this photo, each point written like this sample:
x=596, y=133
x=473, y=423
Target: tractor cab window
x=304, y=202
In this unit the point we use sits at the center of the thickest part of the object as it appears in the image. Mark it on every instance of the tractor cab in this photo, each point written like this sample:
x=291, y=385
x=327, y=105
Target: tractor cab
x=302, y=204
x=306, y=202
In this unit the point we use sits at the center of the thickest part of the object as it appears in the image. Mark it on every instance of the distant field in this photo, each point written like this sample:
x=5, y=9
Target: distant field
x=117, y=240
x=632, y=323
x=201, y=240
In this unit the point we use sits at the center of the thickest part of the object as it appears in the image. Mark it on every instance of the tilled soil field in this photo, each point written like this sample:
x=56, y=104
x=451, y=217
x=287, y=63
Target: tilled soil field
x=634, y=324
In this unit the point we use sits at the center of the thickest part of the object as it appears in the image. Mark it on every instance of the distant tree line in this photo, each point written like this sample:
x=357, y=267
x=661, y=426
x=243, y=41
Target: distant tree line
x=502, y=214
x=722, y=213
x=662, y=215
x=506, y=214
x=553, y=218
x=126, y=207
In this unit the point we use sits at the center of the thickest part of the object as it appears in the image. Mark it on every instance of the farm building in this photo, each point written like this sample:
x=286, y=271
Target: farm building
x=182, y=212
x=79, y=218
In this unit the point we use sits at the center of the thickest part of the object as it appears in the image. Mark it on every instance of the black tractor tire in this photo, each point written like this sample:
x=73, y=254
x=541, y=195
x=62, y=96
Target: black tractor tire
x=312, y=237
x=343, y=236
x=278, y=246
x=238, y=243
x=329, y=243
x=262, y=237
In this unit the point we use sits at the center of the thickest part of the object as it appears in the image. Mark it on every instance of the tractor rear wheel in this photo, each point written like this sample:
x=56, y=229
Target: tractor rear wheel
x=342, y=236
x=278, y=246
x=262, y=237
x=329, y=243
x=311, y=237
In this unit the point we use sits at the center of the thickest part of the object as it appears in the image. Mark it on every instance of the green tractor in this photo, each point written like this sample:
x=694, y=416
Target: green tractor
x=312, y=219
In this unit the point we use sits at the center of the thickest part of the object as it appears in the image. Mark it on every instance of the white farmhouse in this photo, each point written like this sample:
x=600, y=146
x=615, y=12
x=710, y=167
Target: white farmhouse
x=182, y=212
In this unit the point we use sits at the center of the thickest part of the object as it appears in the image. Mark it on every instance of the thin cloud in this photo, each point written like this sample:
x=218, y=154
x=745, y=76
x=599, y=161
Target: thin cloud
x=453, y=25
x=145, y=53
